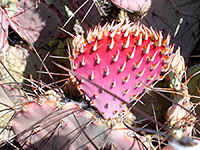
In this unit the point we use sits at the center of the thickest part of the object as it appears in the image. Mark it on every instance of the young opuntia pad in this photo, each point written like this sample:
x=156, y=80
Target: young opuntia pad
x=122, y=58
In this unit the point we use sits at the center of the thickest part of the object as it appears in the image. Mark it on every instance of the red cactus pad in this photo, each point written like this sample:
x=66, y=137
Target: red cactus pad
x=121, y=58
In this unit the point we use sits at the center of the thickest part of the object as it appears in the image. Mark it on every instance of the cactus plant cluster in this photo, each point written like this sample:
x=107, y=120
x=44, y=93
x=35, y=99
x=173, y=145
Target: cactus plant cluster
x=108, y=99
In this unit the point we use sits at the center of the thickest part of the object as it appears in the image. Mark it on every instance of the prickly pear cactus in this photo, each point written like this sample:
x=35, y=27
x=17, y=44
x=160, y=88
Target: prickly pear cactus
x=8, y=98
x=36, y=22
x=112, y=67
x=3, y=29
x=123, y=59
x=49, y=125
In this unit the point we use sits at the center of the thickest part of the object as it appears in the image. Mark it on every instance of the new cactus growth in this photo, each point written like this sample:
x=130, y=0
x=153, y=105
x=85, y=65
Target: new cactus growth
x=121, y=58
x=177, y=66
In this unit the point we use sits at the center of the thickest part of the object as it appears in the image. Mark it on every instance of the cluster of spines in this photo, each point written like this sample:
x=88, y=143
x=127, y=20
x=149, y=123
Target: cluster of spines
x=79, y=42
